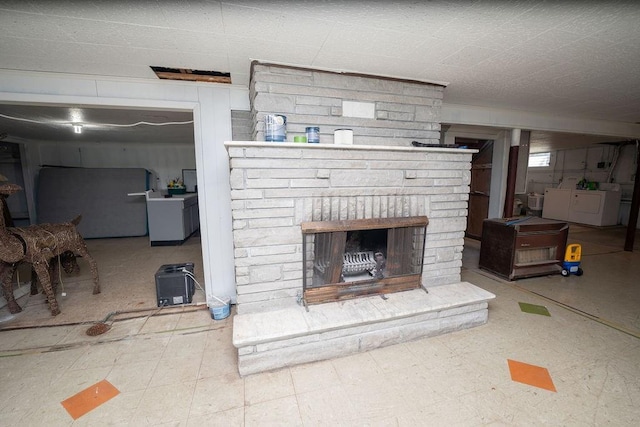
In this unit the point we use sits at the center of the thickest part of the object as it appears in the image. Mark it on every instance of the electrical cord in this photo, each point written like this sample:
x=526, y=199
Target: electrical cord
x=190, y=275
x=40, y=122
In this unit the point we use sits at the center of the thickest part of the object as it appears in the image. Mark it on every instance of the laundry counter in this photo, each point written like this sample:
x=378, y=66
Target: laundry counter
x=171, y=220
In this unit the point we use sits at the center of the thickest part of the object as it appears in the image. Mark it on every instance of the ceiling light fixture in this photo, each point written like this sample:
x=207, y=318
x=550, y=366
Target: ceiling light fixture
x=76, y=115
x=77, y=128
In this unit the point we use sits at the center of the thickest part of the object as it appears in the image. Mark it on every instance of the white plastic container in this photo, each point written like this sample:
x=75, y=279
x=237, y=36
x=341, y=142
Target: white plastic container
x=517, y=207
x=343, y=137
x=219, y=308
x=535, y=201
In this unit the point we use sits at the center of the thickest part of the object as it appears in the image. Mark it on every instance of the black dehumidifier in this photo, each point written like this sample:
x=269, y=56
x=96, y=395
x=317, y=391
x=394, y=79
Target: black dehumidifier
x=174, y=284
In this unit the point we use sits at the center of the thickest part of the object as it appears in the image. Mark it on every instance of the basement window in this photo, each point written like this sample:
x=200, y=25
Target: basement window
x=539, y=160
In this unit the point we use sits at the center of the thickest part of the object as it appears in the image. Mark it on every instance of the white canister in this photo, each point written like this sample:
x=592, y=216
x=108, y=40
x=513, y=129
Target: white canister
x=343, y=136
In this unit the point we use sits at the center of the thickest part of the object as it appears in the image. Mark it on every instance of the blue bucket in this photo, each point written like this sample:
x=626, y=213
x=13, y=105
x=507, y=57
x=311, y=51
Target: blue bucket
x=313, y=134
x=220, y=309
x=275, y=127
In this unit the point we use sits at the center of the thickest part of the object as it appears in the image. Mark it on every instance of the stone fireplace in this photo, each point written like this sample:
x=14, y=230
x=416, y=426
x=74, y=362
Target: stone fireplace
x=290, y=200
x=345, y=248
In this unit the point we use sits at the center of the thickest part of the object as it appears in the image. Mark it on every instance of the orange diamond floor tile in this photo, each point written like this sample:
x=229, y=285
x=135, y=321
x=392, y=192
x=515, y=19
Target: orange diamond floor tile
x=89, y=399
x=536, y=376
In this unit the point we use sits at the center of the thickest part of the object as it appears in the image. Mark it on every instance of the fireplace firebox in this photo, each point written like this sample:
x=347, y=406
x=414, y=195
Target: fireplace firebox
x=352, y=258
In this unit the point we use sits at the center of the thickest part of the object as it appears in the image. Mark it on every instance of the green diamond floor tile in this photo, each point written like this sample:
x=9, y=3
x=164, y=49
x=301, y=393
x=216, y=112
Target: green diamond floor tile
x=534, y=309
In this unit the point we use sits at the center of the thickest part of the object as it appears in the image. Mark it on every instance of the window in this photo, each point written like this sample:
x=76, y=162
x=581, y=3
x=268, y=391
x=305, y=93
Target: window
x=539, y=160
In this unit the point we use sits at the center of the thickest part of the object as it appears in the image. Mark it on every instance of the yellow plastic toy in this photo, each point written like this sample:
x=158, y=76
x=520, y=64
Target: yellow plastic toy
x=572, y=256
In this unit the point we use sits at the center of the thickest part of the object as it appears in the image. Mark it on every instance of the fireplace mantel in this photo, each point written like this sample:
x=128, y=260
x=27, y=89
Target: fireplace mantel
x=339, y=147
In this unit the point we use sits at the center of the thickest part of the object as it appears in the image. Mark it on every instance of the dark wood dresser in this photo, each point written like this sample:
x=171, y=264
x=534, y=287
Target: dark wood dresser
x=514, y=248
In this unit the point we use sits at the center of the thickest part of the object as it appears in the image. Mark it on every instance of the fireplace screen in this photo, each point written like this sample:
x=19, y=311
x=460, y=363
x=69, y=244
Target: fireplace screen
x=347, y=259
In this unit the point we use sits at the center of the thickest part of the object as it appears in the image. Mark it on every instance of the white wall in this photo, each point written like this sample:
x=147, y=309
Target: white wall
x=619, y=167
x=578, y=163
x=211, y=105
x=166, y=161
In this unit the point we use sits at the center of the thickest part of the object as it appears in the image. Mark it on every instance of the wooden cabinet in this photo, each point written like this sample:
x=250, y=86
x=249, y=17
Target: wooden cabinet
x=523, y=247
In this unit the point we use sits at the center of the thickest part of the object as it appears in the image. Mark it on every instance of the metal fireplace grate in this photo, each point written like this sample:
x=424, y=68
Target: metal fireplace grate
x=353, y=263
x=358, y=262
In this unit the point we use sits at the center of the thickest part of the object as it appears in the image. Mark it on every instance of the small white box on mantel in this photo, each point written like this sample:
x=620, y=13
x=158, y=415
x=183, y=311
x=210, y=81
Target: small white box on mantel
x=343, y=136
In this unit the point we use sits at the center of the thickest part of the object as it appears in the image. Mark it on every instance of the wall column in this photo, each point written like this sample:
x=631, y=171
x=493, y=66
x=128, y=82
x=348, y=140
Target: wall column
x=512, y=172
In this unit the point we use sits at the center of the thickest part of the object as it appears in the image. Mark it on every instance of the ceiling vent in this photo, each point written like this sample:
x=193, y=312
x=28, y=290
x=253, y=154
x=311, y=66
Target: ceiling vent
x=191, y=75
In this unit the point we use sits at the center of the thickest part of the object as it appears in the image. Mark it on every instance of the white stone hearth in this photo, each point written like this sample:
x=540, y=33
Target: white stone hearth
x=286, y=337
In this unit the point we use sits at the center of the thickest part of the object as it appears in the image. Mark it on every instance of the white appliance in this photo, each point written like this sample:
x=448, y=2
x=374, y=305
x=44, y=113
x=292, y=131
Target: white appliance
x=535, y=201
x=556, y=204
x=592, y=207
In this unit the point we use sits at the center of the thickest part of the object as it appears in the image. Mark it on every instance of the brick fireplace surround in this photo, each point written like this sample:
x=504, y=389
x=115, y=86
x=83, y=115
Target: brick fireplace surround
x=277, y=186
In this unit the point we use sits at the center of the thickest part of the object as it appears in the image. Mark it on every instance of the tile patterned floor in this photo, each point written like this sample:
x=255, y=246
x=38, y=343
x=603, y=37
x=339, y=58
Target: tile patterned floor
x=180, y=369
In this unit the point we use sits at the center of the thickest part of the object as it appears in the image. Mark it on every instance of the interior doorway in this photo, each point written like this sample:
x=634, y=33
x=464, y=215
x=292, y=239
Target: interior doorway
x=479, y=194
x=39, y=135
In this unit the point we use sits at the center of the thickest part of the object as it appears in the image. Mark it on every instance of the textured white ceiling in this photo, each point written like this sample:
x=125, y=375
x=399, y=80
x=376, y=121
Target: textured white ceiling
x=570, y=58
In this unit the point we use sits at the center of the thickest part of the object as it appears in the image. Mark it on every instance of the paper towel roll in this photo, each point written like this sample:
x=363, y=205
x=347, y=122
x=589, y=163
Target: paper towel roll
x=343, y=136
